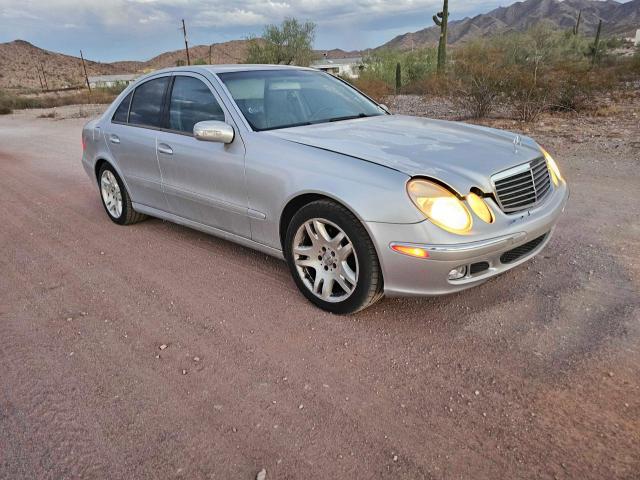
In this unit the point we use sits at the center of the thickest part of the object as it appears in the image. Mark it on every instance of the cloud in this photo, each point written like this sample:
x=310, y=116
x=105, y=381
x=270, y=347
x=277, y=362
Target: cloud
x=113, y=29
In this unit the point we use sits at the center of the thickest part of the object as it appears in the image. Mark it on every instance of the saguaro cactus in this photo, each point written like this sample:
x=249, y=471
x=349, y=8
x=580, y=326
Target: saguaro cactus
x=398, y=77
x=576, y=29
x=596, y=44
x=441, y=19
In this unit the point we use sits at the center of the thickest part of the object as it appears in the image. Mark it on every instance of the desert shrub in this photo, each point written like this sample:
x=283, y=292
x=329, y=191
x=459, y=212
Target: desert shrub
x=477, y=83
x=380, y=66
x=431, y=85
x=376, y=89
x=527, y=93
x=4, y=110
x=575, y=86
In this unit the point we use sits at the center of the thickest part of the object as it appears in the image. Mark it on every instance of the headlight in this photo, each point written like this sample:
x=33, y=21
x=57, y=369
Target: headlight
x=553, y=167
x=440, y=206
x=480, y=207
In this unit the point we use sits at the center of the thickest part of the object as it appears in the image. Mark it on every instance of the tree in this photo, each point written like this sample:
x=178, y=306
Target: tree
x=290, y=43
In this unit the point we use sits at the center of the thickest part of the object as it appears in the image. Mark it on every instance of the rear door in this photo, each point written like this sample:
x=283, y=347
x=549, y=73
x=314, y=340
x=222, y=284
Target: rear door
x=131, y=136
x=203, y=181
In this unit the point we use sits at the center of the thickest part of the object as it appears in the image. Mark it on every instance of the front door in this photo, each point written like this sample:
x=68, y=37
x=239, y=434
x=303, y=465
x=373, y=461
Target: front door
x=203, y=181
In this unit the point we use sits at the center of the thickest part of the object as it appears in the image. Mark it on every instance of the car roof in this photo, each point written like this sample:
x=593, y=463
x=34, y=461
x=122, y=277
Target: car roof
x=230, y=68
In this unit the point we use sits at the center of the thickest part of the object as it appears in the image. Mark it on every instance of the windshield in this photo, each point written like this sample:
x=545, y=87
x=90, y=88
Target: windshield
x=271, y=99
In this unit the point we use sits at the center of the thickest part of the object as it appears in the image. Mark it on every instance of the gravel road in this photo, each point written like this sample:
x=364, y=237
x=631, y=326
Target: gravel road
x=154, y=351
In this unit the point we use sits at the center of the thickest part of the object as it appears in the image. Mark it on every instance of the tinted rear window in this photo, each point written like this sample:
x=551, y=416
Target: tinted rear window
x=122, y=113
x=146, y=107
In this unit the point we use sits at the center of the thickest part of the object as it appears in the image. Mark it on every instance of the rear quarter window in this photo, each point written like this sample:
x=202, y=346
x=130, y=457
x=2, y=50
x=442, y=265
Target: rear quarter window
x=122, y=113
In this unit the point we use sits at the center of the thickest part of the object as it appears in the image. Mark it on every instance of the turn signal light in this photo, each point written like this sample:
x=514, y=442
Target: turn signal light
x=411, y=251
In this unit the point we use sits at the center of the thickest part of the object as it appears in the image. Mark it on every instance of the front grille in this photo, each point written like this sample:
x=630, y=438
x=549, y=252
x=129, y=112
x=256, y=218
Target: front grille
x=522, y=187
x=519, y=252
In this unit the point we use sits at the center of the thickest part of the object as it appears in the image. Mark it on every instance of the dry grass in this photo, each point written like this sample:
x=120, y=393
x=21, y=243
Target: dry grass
x=9, y=102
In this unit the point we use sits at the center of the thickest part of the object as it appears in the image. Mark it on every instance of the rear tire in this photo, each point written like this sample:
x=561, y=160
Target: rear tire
x=332, y=259
x=115, y=198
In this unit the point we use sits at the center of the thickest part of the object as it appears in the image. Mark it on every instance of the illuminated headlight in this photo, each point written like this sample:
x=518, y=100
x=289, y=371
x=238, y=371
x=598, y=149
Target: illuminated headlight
x=553, y=167
x=480, y=207
x=440, y=206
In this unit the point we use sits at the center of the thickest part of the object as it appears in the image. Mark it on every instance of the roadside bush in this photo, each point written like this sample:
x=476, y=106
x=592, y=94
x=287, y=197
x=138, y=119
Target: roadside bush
x=575, y=87
x=477, y=83
x=376, y=89
x=4, y=110
x=527, y=95
x=430, y=85
x=380, y=66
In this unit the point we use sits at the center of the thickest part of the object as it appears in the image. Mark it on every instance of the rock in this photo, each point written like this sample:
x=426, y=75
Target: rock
x=163, y=346
x=395, y=458
x=300, y=407
x=262, y=475
x=184, y=372
x=476, y=393
x=196, y=359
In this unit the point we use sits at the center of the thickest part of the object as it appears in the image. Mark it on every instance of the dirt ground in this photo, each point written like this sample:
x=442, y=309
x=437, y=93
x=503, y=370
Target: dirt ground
x=535, y=374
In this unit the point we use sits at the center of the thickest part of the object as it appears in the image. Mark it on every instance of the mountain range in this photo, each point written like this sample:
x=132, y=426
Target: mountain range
x=21, y=62
x=618, y=19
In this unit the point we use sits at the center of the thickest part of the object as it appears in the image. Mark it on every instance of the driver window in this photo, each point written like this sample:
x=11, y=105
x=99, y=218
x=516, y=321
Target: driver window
x=192, y=102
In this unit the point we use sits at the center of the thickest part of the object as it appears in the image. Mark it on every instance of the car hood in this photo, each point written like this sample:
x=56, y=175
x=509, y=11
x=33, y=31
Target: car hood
x=458, y=154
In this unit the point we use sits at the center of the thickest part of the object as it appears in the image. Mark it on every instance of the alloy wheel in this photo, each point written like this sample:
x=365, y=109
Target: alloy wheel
x=111, y=194
x=325, y=260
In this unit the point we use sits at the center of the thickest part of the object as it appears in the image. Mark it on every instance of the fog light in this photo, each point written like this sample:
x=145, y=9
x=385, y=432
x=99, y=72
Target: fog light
x=458, y=273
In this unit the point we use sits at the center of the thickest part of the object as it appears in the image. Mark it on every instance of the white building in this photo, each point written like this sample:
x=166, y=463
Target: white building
x=637, y=42
x=106, y=81
x=347, y=67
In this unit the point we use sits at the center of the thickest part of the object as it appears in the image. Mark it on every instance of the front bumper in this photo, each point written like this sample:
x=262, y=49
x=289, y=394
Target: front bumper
x=407, y=276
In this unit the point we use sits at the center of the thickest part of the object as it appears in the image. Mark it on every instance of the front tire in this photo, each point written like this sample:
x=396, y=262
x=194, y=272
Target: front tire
x=332, y=259
x=115, y=198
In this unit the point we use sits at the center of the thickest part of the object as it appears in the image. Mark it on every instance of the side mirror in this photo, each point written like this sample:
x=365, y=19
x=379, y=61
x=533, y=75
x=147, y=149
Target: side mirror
x=213, y=131
x=384, y=107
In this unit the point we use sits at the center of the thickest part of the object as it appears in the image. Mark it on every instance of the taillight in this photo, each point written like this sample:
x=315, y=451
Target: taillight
x=84, y=144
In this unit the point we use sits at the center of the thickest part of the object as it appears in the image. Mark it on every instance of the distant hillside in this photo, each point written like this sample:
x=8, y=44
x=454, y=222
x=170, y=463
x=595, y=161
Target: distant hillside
x=21, y=61
x=618, y=18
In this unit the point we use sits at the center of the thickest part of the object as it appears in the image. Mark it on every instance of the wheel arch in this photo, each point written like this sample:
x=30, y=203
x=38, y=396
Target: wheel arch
x=298, y=201
x=100, y=161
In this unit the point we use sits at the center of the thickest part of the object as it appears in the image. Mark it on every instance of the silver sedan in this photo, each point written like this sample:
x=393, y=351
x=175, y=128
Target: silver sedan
x=298, y=164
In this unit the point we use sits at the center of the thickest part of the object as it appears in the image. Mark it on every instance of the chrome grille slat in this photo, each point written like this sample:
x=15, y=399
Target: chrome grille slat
x=519, y=178
x=511, y=198
x=525, y=182
x=528, y=186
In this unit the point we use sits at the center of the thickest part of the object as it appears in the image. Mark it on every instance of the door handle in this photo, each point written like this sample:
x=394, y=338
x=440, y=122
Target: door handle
x=114, y=138
x=164, y=148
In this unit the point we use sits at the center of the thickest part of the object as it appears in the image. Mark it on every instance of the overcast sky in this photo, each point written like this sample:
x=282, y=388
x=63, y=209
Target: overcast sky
x=109, y=30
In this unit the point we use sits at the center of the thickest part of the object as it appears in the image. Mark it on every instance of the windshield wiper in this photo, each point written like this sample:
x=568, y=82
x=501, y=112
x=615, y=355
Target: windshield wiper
x=350, y=117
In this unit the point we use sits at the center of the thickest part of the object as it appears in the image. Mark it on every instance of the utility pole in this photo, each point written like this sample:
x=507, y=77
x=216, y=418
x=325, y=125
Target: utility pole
x=186, y=44
x=44, y=76
x=209, y=54
x=40, y=79
x=86, y=77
